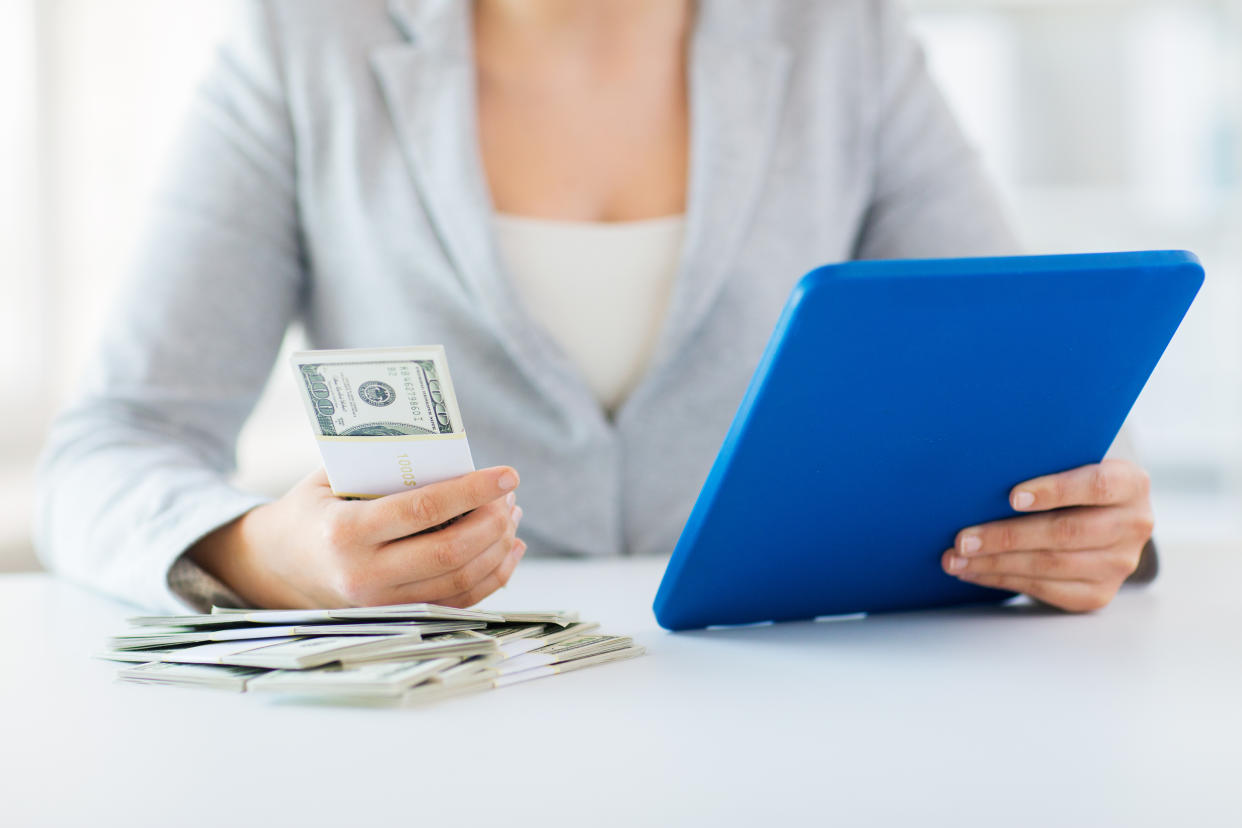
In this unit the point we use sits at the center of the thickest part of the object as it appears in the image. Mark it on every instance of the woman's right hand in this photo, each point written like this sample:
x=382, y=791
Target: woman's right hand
x=313, y=549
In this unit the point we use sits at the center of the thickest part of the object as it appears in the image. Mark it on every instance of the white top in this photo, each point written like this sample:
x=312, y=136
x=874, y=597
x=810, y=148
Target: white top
x=600, y=290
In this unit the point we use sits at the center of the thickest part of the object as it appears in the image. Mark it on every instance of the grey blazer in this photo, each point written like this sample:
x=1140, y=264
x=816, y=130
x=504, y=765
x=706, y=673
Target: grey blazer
x=329, y=175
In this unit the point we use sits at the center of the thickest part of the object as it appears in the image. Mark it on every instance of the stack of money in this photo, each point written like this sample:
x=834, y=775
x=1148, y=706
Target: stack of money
x=386, y=419
x=408, y=653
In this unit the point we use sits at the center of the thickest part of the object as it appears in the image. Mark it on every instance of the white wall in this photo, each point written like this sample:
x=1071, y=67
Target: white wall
x=96, y=90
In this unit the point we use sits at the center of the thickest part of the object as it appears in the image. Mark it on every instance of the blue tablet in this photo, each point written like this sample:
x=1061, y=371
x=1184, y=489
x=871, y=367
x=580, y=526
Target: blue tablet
x=899, y=402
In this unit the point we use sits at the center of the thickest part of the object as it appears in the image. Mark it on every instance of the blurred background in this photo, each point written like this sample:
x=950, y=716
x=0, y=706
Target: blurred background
x=1110, y=124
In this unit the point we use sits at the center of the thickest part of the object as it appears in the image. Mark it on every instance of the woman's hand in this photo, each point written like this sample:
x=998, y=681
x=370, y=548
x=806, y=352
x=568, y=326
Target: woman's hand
x=1075, y=557
x=312, y=549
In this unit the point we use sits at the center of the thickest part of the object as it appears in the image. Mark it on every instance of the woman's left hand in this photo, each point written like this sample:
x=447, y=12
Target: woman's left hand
x=1075, y=557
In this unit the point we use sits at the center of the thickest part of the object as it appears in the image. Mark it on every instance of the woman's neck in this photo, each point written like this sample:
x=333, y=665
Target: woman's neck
x=546, y=27
x=577, y=16
x=583, y=106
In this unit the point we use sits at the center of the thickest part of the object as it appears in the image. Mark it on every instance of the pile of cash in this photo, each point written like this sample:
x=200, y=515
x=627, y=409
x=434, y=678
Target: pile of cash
x=408, y=653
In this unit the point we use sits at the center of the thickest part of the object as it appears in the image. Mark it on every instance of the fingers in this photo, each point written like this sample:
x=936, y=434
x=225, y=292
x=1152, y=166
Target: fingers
x=1074, y=555
x=1073, y=596
x=1102, y=484
x=407, y=513
x=433, y=565
x=448, y=551
x=1091, y=527
x=497, y=579
x=1099, y=566
x=460, y=584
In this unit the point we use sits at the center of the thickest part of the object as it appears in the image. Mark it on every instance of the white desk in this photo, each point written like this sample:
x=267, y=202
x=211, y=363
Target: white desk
x=1132, y=716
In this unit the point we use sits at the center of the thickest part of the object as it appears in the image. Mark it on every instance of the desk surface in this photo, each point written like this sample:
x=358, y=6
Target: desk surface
x=1132, y=716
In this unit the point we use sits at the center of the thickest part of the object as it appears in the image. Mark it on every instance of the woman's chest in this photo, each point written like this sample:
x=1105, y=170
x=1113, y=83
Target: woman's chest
x=597, y=149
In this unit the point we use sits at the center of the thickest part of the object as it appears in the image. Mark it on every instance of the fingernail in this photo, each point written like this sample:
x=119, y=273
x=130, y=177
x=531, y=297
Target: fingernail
x=971, y=544
x=507, y=481
x=511, y=499
x=1023, y=500
x=519, y=548
x=517, y=514
x=956, y=563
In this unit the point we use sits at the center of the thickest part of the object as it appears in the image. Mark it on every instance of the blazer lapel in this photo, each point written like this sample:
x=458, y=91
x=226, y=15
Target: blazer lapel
x=737, y=91
x=428, y=84
x=737, y=85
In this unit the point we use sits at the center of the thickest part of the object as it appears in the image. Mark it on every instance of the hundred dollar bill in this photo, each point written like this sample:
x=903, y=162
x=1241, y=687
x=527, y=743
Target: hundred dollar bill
x=192, y=675
x=562, y=618
x=383, y=679
x=217, y=652
x=457, y=680
x=386, y=419
x=564, y=650
x=423, y=614
x=605, y=657
x=517, y=639
x=304, y=653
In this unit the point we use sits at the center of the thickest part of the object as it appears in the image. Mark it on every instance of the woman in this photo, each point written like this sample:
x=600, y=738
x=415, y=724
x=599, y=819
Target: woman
x=599, y=208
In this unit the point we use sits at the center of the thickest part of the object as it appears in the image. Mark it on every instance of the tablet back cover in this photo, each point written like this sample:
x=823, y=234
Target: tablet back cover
x=899, y=402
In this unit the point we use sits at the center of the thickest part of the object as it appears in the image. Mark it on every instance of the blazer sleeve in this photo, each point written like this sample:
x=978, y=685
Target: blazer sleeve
x=137, y=467
x=930, y=197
